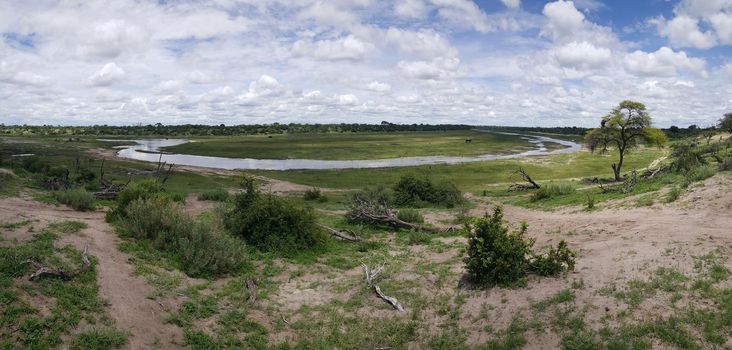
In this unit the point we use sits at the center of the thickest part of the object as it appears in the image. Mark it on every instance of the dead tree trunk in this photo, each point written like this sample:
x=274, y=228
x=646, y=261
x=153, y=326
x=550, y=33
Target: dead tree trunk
x=44, y=271
x=344, y=235
x=371, y=274
x=523, y=187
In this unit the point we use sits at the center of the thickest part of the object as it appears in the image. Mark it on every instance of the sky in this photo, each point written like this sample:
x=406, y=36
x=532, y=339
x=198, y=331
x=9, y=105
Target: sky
x=488, y=62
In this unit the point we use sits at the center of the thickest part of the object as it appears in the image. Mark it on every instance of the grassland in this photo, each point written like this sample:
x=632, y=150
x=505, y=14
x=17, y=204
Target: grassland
x=355, y=146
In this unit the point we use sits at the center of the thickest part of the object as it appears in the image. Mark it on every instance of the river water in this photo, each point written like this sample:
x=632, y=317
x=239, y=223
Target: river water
x=149, y=150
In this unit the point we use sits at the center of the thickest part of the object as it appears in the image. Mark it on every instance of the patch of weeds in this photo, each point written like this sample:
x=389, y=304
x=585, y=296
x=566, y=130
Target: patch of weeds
x=673, y=194
x=68, y=226
x=99, y=339
x=560, y=297
x=646, y=200
x=15, y=225
x=578, y=284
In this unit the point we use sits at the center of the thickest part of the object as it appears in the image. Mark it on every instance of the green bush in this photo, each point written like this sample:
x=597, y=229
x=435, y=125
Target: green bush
x=726, y=164
x=77, y=198
x=314, y=194
x=410, y=215
x=673, y=194
x=700, y=173
x=219, y=195
x=415, y=191
x=552, y=190
x=273, y=223
x=201, y=248
x=590, y=204
x=145, y=189
x=497, y=256
x=554, y=261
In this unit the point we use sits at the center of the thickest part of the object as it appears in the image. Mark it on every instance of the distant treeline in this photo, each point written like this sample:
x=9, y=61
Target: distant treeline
x=219, y=130
x=294, y=128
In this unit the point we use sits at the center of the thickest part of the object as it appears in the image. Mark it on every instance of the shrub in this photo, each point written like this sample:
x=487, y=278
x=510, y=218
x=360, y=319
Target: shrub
x=673, y=194
x=314, y=194
x=410, y=215
x=219, y=195
x=497, y=256
x=415, y=191
x=77, y=198
x=700, y=173
x=554, y=261
x=272, y=223
x=145, y=189
x=552, y=190
x=375, y=201
x=201, y=248
x=590, y=204
x=686, y=156
x=726, y=164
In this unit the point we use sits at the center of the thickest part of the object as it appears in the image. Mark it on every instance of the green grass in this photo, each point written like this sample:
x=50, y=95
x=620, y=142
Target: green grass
x=338, y=146
x=475, y=176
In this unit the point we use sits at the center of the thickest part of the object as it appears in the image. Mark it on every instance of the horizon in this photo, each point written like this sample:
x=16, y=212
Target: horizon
x=524, y=63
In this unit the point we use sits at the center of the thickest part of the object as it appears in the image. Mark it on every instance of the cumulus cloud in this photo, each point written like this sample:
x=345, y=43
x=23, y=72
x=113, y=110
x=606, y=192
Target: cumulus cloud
x=410, y=8
x=347, y=48
x=108, y=75
x=440, y=68
x=379, y=87
x=683, y=30
x=664, y=62
x=513, y=4
x=582, y=55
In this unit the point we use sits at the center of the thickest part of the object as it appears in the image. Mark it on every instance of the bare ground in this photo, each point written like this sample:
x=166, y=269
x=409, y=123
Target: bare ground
x=615, y=246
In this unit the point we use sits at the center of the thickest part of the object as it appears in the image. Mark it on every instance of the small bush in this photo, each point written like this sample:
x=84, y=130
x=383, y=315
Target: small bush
x=201, y=248
x=700, y=173
x=552, y=190
x=590, y=204
x=77, y=198
x=314, y=194
x=273, y=223
x=410, y=215
x=415, y=191
x=497, y=256
x=145, y=189
x=726, y=164
x=218, y=195
x=673, y=194
x=554, y=261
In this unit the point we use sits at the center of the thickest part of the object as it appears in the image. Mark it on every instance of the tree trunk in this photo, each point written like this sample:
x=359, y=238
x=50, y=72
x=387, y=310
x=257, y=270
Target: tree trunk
x=616, y=167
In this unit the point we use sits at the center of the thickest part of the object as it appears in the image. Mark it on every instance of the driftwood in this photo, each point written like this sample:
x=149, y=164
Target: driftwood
x=523, y=187
x=377, y=212
x=344, y=235
x=371, y=274
x=43, y=271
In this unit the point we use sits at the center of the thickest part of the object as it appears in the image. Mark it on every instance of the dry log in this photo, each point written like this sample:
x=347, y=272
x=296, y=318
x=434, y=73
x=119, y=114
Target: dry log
x=344, y=235
x=43, y=271
x=371, y=274
x=523, y=187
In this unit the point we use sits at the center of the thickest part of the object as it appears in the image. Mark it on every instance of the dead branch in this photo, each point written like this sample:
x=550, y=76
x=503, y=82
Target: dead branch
x=371, y=274
x=523, y=187
x=625, y=187
x=43, y=271
x=252, y=288
x=374, y=212
x=344, y=235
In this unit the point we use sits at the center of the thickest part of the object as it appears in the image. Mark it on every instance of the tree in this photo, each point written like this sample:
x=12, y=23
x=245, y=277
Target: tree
x=726, y=123
x=624, y=128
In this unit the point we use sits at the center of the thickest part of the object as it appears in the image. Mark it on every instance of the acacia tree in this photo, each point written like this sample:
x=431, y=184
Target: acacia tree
x=726, y=123
x=624, y=128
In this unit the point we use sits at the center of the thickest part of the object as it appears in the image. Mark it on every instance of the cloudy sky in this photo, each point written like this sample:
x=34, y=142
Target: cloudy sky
x=489, y=62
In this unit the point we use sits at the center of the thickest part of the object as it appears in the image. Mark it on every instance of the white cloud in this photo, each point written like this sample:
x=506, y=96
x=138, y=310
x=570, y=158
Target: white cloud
x=198, y=77
x=512, y=4
x=722, y=23
x=106, y=76
x=563, y=19
x=347, y=100
x=347, y=48
x=462, y=12
x=664, y=62
x=683, y=31
x=440, y=68
x=582, y=55
x=410, y=8
x=378, y=87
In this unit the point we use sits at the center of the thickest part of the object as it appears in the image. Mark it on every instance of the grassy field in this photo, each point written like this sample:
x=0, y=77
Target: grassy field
x=355, y=146
x=474, y=176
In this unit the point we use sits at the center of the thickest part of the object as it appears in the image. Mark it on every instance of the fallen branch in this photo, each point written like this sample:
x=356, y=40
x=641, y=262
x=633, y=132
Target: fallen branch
x=523, y=187
x=344, y=235
x=371, y=274
x=42, y=271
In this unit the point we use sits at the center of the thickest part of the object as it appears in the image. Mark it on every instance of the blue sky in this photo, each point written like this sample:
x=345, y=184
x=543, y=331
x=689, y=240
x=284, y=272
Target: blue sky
x=488, y=62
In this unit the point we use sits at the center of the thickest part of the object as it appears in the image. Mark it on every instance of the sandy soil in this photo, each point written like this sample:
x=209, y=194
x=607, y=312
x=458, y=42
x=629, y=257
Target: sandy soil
x=126, y=294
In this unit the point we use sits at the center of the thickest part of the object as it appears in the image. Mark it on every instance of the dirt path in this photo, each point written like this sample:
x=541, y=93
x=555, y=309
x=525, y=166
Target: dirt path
x=126, y=294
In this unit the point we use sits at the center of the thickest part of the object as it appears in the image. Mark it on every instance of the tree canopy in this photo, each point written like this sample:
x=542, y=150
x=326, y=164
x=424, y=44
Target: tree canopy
x=627, y=126
x=726, y=122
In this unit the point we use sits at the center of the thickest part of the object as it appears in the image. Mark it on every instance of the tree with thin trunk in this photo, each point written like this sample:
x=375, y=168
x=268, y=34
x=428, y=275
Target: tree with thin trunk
x=625, y=127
